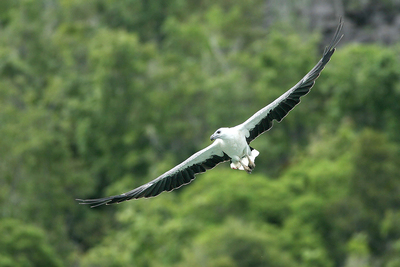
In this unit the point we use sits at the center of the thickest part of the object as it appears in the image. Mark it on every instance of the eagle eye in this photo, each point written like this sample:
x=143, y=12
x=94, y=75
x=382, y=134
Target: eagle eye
x=218, y=132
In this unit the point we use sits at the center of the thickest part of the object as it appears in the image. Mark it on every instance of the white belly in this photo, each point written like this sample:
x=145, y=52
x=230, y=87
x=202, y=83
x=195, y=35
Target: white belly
x=235, y=146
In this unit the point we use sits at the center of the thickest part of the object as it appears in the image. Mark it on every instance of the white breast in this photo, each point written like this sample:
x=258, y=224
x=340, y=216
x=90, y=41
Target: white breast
x=234, y=144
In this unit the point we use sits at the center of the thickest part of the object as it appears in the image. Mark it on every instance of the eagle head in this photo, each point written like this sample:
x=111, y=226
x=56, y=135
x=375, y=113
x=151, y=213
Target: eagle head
x=220, y=133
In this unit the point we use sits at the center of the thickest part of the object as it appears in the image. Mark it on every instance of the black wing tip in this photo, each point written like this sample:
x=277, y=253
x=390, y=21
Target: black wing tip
x=144, y=191
x=95, y=202
x=336, y=38
x=139, y=192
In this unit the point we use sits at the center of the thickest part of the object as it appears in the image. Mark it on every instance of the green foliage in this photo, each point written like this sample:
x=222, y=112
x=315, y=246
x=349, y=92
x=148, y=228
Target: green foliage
x=368, y=89
x=211, y=235
x=236, y=243
x=342, y=211
x=24, y=245
x=97, y=97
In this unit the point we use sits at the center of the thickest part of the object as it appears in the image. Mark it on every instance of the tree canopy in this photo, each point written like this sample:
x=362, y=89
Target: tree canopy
x=100, y=96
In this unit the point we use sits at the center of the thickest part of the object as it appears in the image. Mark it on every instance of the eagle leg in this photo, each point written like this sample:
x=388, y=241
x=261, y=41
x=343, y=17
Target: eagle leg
x=246, y=168
x=251, y=163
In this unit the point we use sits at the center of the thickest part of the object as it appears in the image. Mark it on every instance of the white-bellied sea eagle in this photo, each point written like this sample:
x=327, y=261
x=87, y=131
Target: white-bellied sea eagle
x=230, y=144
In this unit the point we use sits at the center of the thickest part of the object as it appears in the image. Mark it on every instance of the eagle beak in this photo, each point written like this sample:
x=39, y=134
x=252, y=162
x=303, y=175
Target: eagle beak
x=212, y=137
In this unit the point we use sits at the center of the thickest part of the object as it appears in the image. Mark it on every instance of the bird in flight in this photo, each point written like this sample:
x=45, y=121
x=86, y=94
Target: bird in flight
x=230, y=144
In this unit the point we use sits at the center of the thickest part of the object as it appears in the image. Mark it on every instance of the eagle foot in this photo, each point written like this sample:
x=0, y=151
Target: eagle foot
x=252, y=165
x=248, y=169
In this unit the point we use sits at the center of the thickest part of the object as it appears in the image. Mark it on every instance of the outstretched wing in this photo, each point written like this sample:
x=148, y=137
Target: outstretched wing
x=262, y=120
x=180, y=175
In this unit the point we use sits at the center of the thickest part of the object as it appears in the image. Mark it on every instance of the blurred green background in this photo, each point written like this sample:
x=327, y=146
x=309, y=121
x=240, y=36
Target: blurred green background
x=100, y=96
